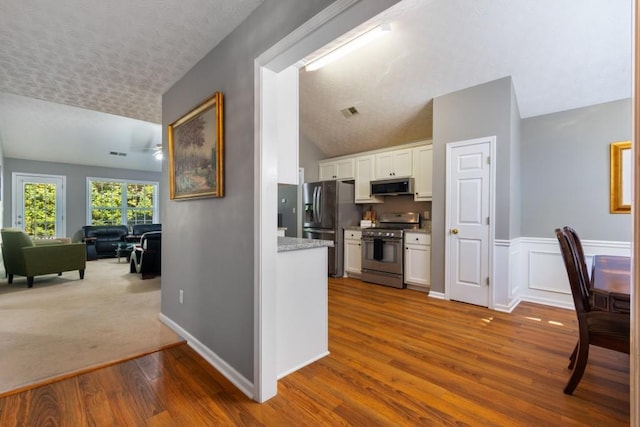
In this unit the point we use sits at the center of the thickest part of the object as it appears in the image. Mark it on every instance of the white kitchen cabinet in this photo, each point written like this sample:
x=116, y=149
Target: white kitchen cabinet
x=364, y=175
x=396, y=163
x=422, y=173
x=336, y=169
x=417, y=260
x=352, y=253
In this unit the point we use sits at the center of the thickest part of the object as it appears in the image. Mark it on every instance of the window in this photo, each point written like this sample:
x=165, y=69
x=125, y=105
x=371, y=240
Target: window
x=114, y=202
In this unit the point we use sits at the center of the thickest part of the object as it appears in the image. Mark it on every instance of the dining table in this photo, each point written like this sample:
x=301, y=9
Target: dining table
x=611, y=283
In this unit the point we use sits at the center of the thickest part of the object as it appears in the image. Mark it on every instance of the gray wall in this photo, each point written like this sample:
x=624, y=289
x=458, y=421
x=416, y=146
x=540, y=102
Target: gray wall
x=565, y=171
x=3, y=181
x=76, y=191
x=515, y=176
x=212, y=259
x=287, y=203
x=479, y=111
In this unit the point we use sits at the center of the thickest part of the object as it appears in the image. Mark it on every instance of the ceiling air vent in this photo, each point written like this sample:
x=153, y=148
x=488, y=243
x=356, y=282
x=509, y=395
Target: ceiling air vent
x=350, y=111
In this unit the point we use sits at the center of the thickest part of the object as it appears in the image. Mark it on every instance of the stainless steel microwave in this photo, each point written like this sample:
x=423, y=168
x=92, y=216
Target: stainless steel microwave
x=392, y=187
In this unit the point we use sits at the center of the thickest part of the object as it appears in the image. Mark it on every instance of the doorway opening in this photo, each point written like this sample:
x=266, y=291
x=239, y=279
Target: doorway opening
x=39, y=204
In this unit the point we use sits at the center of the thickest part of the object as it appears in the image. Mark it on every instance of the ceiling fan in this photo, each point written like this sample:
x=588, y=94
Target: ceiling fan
x=156, y=151
x=142, y=140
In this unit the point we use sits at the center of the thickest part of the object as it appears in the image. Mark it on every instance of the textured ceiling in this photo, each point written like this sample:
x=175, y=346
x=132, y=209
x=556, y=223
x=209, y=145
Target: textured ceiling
x=115, y=56
x=560, y=54
x=119, y=57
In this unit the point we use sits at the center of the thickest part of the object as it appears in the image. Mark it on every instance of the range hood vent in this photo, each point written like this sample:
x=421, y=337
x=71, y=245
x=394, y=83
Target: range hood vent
x=350, y=111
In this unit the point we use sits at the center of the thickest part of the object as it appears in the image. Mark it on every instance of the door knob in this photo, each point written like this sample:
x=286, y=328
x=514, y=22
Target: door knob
x=454, y=231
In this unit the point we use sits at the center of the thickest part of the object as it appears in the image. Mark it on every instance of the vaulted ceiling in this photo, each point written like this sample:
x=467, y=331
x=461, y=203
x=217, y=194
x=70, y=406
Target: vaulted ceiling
x=82, y=78
x=560, y=54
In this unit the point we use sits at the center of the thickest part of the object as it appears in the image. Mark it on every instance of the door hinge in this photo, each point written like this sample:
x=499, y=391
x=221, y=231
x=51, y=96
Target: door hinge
x=487, y=281
x=488, y=160
x=488, y=222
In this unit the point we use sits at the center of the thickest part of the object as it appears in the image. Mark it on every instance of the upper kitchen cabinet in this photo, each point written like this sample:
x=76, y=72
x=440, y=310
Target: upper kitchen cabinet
x=422, y=173
x=336, y=169
x=364, y=175
x=396, y=163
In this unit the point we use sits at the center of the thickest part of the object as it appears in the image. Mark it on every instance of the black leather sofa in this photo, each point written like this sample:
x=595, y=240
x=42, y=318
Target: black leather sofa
x=102, y=240
x=147, y=258
x=139, y=229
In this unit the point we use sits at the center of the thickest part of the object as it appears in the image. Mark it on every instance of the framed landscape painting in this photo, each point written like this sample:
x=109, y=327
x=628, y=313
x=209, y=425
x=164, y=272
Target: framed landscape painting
x=621, y=178
x=196, y=152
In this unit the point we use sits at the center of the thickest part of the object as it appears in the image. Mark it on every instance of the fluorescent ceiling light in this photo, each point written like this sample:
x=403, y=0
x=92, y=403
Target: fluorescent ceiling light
x=348, y=47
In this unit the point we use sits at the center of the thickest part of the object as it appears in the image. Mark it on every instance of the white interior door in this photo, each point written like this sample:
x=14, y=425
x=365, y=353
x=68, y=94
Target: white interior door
x=38, y=204
x=468, y=211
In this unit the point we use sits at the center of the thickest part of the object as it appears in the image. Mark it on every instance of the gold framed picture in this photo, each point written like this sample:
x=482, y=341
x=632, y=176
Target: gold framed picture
x=196, y=152
x=620, y=180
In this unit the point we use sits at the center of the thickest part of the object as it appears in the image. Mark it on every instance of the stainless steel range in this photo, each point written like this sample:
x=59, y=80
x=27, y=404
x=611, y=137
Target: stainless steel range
x=382, y=249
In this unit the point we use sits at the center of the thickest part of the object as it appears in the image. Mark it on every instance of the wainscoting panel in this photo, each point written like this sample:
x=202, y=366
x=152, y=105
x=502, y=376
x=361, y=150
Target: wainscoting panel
x=545, y=270
x=542, y=273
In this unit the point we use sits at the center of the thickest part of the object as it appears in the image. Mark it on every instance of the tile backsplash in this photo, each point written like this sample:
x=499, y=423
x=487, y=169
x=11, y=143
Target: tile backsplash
x=399, y=204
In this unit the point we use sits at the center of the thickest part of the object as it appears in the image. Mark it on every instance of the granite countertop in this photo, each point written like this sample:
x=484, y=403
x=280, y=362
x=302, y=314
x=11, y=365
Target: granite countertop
x=286, y=244
x=419, y=230
x=416, y=230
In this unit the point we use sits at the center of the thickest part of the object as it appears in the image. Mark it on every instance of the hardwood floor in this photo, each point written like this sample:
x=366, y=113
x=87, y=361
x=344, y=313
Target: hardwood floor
x=397, y=358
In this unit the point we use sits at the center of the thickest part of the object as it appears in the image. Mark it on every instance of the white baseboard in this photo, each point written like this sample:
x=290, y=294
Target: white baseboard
x=436, y=295
x=507, y=308
x=213, y=359
x=302, y=365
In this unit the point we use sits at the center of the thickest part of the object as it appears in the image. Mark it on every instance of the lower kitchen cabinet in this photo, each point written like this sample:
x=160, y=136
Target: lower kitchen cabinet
x=352, y=253
x=417, y=260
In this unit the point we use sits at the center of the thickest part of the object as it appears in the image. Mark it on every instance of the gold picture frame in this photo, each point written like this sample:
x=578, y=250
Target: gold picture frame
x=620, y=179
x=196, y=152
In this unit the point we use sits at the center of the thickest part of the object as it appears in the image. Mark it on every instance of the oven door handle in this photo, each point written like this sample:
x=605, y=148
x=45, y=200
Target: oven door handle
x=384, y=239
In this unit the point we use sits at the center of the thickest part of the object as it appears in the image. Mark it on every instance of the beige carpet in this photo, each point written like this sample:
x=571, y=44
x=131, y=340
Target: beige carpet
x=64, y=324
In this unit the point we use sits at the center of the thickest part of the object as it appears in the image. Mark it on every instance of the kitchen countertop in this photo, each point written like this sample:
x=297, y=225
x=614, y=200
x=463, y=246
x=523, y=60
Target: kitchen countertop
x=419, y=230
x=286, y=244
x=416, y=230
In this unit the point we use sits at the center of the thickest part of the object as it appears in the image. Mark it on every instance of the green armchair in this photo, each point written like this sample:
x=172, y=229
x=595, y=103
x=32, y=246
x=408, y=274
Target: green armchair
x=23, y=257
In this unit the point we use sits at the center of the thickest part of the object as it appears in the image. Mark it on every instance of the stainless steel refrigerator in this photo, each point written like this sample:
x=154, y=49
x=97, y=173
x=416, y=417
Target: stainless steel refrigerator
x=329, y=207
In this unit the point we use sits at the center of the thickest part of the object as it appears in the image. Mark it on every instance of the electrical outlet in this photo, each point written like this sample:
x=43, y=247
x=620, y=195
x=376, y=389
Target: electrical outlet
x=181, y=296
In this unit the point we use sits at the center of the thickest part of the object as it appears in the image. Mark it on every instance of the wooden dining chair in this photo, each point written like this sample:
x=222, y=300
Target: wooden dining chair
x=576, y=246
x=578, y=253
x=599, y=328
